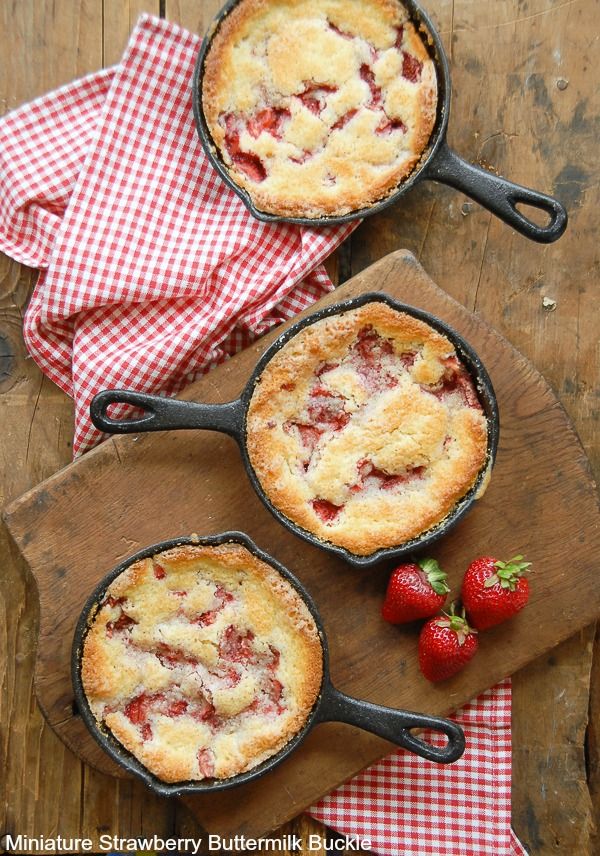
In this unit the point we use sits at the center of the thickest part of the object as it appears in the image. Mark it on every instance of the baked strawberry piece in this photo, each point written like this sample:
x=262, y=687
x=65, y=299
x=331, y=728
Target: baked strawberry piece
x=202, y=662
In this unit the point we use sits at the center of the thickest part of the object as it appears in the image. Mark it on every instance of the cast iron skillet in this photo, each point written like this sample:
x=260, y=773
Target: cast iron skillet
x=438, y=163
x=167, y=413
x=331, y=704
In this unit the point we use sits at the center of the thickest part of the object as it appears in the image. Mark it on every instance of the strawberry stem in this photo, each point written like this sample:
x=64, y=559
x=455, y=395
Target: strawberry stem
x=508, y=573
x=435, y=575
x=457, y=623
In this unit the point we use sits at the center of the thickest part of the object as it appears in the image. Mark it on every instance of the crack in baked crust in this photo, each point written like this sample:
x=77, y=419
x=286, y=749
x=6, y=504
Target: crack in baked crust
x=320, y=107
x=202, y=662
x=366, y=429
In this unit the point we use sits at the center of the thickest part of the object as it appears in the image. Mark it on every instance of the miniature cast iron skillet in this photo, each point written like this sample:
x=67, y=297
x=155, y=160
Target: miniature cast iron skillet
x=330, y=706
x=438, y=162
x=230, y=418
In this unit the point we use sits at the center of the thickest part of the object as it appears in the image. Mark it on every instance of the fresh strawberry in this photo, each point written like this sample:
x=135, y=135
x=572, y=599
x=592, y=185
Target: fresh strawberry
x=493, y=591
x=415, y=591
x=446, y=645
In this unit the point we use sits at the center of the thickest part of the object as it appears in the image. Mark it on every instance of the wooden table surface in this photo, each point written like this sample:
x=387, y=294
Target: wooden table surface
x=525, y=104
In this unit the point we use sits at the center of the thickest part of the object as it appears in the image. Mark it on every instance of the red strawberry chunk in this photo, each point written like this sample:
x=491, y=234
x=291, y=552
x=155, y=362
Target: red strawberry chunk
x=206, y=618
x=343, y=120
x=327, y=409
x=387, y=126
x=123, y=622
x=138, y=708
x=408, y=358
x=115, y=601
x=146, y=731
x=367, y=75
x=223, y=595
x=326, y=510
x=159, y=572
x=371, y=346
x=306, y=155
x=202, y=711
x=171, y=657
x=368, y=352
x=411, y=67
x=206, y=763
x=232, y=677
x=274, y=689
x=399, y=37
x=237, y=646
x=340, y=32
x=232, y=134
x=314, y=96
x=271, y=120
x=177, y=708
x=456, y=379
x=326, y=367
x=309, y=434
x=274, y=662
x=372, y=476
x=251, y=165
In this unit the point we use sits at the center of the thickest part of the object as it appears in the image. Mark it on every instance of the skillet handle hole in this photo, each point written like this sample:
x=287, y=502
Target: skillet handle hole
x=540, y=216
x=125, y=412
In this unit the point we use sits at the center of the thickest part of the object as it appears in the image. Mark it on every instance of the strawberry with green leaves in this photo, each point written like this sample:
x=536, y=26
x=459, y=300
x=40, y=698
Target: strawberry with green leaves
x=415, y=591
x=446, y=644
x=493, y=591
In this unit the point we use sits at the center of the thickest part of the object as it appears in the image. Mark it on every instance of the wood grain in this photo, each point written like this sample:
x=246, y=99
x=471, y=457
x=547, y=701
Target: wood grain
x=199, y=478
x=507, y=61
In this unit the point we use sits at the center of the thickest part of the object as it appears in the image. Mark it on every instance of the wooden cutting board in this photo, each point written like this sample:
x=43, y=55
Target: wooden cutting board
x=136, y=490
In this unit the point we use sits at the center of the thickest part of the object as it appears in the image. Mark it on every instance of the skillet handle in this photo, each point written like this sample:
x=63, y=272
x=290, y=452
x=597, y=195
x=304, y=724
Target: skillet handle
x=498, y=195
x=394, y=725
x=164, y=414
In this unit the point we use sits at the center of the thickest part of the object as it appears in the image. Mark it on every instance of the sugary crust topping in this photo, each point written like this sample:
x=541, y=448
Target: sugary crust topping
x=203, y=662
x=319, y=107
x=365, y=429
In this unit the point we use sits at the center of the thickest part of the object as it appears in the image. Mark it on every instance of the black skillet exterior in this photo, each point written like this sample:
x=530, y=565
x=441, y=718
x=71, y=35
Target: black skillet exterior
x=230, y=418
x=331, y=705
x=438, y=162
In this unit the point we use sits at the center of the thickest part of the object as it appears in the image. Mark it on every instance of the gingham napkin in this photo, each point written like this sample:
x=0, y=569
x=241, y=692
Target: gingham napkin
x=406, y=806
x=151, y=271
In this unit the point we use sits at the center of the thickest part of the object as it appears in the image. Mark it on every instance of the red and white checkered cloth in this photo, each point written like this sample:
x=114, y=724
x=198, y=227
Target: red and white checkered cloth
x=406, y=806
x=151, y=271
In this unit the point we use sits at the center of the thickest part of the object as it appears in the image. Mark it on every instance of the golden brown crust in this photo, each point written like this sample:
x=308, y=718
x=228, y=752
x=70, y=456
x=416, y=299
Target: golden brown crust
x=203, y=661
x=354, y=95
x=365, y=429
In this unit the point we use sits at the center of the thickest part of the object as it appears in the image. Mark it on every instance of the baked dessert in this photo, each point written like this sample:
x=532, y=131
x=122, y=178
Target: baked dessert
x=319, y=107
x=202, y=661
x=366, y=429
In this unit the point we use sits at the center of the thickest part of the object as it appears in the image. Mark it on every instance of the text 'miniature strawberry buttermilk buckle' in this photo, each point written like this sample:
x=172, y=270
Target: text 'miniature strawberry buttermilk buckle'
x=324, y=111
